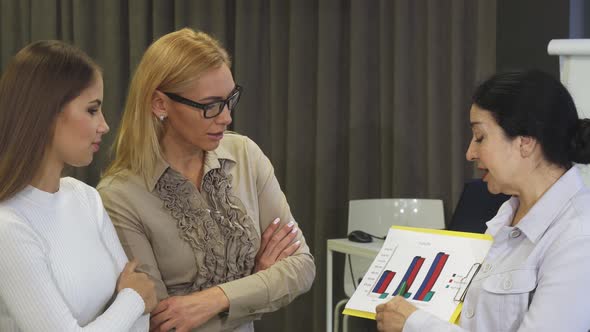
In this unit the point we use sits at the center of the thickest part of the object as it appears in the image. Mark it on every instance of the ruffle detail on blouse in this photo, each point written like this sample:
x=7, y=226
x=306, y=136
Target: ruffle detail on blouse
x=218, y=230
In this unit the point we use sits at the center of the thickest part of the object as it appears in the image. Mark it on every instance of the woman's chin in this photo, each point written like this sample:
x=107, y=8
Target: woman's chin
x=211, y=145
x=80, y=162
x=493, y=189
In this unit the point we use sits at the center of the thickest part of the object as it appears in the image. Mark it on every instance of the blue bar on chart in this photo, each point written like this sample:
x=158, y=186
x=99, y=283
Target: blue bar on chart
x=408, y=280
x=383, y=282
x=425, y=293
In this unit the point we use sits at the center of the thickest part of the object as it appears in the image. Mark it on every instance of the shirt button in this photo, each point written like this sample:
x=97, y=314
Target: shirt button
x=515, y=233
x=469, y=313
x=507, y=284
x=487, y=267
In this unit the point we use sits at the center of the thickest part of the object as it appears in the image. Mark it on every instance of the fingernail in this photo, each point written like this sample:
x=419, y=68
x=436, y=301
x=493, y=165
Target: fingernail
x=291, y=223
x=276, y=221
x=298, y=242
x=294, y=230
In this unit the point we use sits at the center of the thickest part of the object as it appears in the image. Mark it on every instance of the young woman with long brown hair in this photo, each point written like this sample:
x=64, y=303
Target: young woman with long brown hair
x=62, y=267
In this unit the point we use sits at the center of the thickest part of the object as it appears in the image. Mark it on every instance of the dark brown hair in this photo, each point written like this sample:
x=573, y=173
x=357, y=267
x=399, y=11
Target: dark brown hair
x=35, y=86
x=533, y=103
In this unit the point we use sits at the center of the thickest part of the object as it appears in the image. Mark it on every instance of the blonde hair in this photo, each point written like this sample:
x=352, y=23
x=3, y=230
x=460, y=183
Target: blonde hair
x=171, y=64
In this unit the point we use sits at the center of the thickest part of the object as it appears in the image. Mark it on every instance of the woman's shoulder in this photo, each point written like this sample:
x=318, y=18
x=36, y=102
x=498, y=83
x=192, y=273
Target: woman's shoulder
x=14, y=226
x=579, y=210
x=76, y=190
x=9, y=215
x=232, y=139
x=570, y=226
x=71, y=184
x=124, y=190
x=121, y=181
x=237, y=145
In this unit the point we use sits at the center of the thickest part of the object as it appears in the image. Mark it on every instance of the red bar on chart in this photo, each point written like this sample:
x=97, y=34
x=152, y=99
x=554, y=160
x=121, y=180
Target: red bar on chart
x=409, y=277
x=424, y=292
x=384, y=282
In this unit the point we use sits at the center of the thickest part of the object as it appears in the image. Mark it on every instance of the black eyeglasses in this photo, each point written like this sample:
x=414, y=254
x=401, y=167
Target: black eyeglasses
x=213, y=109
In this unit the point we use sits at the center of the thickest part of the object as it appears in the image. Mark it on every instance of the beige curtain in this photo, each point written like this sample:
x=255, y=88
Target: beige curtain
x=349, y=98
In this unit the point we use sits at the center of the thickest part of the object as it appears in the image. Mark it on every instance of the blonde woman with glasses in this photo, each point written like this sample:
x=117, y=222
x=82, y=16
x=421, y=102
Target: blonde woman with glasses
x=199, y=206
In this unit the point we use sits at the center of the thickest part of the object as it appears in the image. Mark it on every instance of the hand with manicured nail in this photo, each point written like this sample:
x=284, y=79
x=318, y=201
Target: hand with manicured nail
x=278, y=242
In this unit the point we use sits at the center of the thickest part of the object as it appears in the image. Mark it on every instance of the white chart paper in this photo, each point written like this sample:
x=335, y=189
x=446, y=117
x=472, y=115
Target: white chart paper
x=430, y=268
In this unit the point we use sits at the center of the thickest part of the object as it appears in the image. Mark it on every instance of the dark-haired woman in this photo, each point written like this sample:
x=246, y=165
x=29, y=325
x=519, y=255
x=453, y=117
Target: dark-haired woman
x=526, y=138
x=62, y=267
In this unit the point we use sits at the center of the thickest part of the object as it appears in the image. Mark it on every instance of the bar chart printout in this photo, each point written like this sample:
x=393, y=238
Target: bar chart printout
x=427, y=267
x=425, y=292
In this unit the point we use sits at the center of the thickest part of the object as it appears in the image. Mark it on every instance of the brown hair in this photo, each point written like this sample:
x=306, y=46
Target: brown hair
x=172, y=63
x=39, y=81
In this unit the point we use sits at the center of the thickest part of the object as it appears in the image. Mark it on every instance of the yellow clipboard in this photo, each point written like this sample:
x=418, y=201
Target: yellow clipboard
x=455, y=317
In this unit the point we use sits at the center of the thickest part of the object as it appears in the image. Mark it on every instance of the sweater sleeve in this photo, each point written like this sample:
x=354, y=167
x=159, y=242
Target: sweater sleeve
x=275, y=287
x=31, y=295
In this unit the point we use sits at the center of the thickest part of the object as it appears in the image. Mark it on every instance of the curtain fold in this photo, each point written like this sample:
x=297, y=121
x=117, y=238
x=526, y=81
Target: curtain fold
x=350, y=99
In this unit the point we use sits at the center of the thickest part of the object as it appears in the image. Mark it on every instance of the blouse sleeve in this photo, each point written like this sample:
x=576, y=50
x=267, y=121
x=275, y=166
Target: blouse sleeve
x=275, y=287
x=113, y=245
x=132, y=234
x=422, y=321
x=33, y=300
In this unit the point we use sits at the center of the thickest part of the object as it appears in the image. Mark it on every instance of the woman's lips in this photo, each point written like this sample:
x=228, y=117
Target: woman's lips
x=216, y=136
x=485, y=175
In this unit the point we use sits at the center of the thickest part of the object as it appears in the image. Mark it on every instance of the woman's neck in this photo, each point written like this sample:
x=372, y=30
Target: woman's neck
x=534, y=187
x=185, y=159
x=48, y=176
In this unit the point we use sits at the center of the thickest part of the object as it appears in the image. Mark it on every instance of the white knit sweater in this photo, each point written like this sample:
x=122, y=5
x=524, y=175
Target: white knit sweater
x=59, y=262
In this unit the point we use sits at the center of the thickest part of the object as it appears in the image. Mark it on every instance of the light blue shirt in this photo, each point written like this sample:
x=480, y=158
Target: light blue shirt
x=536, y=276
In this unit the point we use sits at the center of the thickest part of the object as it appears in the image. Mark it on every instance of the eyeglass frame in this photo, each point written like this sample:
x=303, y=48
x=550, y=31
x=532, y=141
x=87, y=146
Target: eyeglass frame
x=236, y=93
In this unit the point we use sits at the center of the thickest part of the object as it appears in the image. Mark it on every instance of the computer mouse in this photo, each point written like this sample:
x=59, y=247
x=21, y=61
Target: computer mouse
x=359, y=236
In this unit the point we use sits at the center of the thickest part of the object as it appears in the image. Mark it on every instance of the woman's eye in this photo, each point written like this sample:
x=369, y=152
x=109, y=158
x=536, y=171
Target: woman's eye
x=93, y=111
x=478, y=139
x=210, y=106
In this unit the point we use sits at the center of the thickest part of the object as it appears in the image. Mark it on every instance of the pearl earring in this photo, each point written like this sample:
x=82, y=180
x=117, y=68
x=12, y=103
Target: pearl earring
x=162, y=117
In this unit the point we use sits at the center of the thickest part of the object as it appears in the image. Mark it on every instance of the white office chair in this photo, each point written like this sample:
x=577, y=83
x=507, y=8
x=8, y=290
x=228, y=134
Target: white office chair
x=376, y=216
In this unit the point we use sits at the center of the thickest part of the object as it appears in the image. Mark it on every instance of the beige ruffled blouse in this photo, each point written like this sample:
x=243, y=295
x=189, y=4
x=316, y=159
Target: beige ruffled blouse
x=188, y=240
x=215, y=225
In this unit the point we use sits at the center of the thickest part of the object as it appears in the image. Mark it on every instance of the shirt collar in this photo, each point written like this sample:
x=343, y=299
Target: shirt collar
x=212, y=161
x=540, y=217
x=503, y=217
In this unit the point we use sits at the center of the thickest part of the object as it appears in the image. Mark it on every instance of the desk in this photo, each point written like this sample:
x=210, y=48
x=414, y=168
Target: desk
x=368, y=250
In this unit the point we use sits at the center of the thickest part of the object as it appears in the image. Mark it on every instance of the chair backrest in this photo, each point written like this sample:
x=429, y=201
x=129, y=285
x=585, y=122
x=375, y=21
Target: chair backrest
x=475, y=207
x=376, y=216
